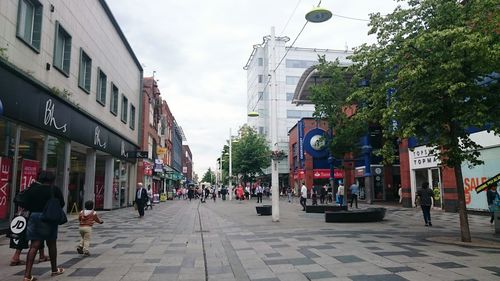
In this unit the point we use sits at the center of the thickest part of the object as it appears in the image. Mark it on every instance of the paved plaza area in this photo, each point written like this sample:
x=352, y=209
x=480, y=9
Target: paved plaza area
x=226, y=240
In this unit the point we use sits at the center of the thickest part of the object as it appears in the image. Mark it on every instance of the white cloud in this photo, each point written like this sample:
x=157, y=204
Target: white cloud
x=198, y=49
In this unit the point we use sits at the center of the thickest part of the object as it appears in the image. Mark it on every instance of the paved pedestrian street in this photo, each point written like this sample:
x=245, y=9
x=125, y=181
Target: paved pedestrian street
x=226, y=240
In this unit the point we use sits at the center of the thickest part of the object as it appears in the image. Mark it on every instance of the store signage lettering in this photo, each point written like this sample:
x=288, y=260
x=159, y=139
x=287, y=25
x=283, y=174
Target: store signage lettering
x=97, y=138
x=491, y=181
x=49, y=119
x=122, y=150
x=5, y=166
x=421, y=158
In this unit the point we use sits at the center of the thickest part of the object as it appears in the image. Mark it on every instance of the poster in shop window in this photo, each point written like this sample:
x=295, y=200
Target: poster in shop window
x=5, y=172
x=29, y=171
x=476, y=175
x=99, y=192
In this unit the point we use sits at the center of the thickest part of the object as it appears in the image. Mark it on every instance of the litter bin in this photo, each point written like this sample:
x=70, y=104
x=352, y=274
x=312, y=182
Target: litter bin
x=497, y=221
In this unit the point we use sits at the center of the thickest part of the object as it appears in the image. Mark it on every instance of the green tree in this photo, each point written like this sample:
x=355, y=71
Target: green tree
x=250, y=154
x=209, y=176
x=438, y=59
x=332, y=103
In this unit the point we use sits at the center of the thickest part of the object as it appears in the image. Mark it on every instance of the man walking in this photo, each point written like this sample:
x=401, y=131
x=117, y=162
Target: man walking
x=259, y=190
x=354, y=188
x=303, y=196
x=425, y=197
x=141, y=197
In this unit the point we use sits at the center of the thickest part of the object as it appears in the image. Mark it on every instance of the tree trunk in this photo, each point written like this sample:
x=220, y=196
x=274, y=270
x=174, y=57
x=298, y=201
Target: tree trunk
x=462, y=211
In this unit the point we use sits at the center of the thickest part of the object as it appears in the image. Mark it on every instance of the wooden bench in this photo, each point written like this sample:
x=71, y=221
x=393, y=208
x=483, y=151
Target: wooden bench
x=323, y=208
x=363, y=215
x=264, y=210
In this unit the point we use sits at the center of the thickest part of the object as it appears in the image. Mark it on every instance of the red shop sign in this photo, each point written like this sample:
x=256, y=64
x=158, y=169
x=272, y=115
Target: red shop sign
x=325, y=174
x=5, y=169
x=29, y=171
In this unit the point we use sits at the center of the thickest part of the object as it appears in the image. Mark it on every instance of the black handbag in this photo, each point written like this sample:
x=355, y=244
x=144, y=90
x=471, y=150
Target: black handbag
x=52, y=212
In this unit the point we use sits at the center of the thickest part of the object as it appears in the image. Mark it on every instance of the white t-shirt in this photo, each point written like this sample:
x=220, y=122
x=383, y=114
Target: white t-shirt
x=341, y=190
x=303, y=191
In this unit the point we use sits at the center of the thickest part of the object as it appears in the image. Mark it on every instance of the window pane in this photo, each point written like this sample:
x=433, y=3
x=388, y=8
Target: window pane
x=292, y=80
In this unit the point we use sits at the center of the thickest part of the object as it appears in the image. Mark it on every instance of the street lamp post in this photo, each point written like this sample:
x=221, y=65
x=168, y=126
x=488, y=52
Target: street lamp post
x=230, y=183
x=317, y=15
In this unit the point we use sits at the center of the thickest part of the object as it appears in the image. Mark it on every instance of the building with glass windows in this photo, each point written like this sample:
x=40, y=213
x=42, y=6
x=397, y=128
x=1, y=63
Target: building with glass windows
x=290, y=64
x=70, y=88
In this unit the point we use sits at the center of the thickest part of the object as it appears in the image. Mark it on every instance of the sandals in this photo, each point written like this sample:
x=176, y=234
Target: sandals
x=30, y=279
x=44, y=259
x=18, y=262
x=58, y=272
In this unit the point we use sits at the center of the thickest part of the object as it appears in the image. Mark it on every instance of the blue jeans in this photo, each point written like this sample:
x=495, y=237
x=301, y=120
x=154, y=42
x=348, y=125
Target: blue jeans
x=427, y=213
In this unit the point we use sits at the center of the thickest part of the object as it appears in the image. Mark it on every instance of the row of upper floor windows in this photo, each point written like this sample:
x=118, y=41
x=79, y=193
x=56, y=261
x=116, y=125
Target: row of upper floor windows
x=293, y=63
x=29, y=30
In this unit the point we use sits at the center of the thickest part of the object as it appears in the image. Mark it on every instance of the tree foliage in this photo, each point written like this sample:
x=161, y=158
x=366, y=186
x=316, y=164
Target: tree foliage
x=435, y=55
x=250, y=154
x=432, y=75
x=332, y=104
x=209, y=176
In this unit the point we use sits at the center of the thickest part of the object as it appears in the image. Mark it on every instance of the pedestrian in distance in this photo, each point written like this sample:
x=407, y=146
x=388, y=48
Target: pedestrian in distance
x=400, y=193
x=141, y=197
x=424, y=198
x=87, y=218
x=36, y=198
x=354, y=188
x=289, y=193
x=322, y=194
x=149, y=203
x=340, y=193
x=493, y=199
x=259, y=190
x=303, y=196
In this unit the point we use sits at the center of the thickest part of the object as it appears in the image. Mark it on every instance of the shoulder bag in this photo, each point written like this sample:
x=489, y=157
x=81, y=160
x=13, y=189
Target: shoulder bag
x=52, y=212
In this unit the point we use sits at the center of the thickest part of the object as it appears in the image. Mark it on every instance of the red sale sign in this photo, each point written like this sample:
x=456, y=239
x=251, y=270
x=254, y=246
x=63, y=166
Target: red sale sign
x=29, y=171
x=99, y=192
x=5, y=173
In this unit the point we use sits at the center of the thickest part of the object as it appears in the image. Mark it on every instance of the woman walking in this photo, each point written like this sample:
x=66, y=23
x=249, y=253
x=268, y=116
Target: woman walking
x=425, y=196
x=36, y=197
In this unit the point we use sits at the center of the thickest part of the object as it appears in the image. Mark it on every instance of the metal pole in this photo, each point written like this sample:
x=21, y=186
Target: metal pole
x=230, y=165
x=274, y=130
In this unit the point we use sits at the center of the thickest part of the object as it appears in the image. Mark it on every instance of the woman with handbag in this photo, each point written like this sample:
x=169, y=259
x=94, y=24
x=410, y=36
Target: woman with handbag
x=37, y=200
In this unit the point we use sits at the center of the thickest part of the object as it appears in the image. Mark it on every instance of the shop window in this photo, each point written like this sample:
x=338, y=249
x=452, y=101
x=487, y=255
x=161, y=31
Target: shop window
x=29, y=23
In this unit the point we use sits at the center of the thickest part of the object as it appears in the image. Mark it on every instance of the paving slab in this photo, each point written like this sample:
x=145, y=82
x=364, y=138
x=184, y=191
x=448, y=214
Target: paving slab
x=226, y=240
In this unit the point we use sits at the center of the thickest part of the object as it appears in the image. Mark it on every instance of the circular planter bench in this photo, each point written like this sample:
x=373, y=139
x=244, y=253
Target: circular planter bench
x=323, y=208
x=264, y=210
x=364, y=215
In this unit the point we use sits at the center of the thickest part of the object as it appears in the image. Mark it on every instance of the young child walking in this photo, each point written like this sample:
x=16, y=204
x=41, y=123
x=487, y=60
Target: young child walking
x=87, y=219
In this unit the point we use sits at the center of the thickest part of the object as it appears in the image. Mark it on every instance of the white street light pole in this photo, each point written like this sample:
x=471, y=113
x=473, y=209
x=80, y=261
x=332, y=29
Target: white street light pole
x=274, y=130
x=230, y=165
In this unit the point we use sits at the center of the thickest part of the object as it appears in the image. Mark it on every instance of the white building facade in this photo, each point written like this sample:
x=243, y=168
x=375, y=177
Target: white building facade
x=294, y=61
x=70, y=102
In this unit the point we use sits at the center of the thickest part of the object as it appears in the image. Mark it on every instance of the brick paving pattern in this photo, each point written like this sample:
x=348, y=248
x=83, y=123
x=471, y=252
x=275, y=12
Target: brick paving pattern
x=226, y=240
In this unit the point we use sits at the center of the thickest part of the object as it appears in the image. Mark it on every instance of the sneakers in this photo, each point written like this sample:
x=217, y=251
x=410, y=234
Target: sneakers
x=430, y=223
x=86, y=254
x=79, y=250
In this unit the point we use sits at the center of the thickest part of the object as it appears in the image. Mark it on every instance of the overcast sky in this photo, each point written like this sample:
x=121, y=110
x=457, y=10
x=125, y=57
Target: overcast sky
x=198, y=49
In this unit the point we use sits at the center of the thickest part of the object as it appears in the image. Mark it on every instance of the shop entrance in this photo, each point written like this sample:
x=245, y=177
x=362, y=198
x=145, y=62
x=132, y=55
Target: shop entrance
x=76, y=181
x=433, y=177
